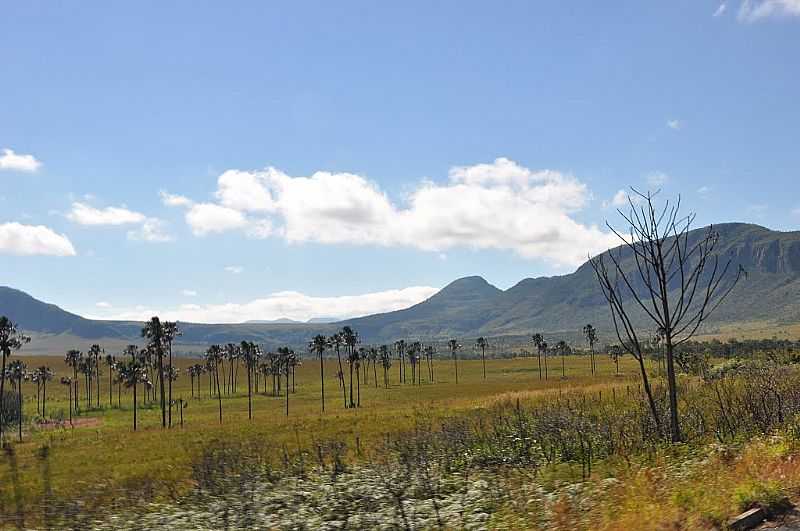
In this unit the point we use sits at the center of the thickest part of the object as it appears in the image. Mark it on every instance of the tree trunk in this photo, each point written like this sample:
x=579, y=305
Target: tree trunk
x=169, y=346
x=675, y=428
x=249, y=395
x=322, y=380
x=19, y=400
x=44, y=398
x=483, y=357
x=134, y=407
x=161, y=387
x=351, y=385
x=219, y=395
x=2, y=395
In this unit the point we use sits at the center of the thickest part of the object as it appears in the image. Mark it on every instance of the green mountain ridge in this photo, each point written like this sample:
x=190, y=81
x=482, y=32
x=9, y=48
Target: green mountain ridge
x=471, y=306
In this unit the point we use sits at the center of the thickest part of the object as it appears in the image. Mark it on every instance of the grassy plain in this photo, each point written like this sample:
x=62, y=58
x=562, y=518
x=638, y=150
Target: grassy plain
x=101, y=459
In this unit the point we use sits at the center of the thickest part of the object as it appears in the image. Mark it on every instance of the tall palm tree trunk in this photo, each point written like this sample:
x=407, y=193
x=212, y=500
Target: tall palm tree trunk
x=322, y=380
x=44, y=397
x=161, y=387
x=483, y=357
x=19, y=401
x=169, y=346
x=249, y=395
x=219, y=394
x=2, y=395
x=351, y=385
x=134, y=407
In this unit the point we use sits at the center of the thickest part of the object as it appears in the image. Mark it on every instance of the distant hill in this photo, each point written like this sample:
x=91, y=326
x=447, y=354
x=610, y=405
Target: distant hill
x=282, y=320
x=471, y=306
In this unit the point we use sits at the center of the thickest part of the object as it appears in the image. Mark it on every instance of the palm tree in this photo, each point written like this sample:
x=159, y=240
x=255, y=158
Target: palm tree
x=287, y=360
x=250, y=354
x=591, y=337
x=430, y=350
x=318, y=346
x=18, y=371
x=213, y=359
x=43, y=375
x=373, y=358
x=111, y=362
x=153, y=331
x=73, y=359
x=481, y=343
x=538, y=341
x=563, y=349
x=67, y=381
x=171, y=331
x=350, y=339
x=11, y=339
x=132, y=374
x=545, y=352
x=336, y=341
x=401, y=349
x=454, y=346
x=94, y=352
x=386, y=363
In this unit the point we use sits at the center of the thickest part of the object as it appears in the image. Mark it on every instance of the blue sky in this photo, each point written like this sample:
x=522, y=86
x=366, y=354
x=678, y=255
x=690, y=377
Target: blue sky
x=222, y=162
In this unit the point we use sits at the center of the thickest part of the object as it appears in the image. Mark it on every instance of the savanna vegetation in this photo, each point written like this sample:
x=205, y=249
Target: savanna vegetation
x=657, y=430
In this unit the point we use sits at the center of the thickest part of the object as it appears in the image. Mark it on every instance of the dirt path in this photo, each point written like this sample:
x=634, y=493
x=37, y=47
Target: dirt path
x=87, y=422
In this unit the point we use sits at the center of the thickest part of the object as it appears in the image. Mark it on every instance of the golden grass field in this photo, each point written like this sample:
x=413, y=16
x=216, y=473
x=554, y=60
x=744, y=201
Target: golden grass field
x=102, y=456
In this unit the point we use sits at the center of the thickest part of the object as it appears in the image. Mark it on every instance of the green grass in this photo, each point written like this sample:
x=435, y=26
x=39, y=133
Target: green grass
x=100, y=461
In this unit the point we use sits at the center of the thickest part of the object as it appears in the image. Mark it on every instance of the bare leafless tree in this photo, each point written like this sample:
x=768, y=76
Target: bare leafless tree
x=671, y=274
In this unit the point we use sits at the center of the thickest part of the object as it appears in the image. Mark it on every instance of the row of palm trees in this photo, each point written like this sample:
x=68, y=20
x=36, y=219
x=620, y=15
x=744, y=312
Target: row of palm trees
x=150, y=368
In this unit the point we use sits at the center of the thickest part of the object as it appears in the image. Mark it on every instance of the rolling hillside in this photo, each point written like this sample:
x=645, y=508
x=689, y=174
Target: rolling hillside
x=471, y=306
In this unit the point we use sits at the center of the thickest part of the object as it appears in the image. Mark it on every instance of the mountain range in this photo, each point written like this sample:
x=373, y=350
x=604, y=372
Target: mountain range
x=470, y=306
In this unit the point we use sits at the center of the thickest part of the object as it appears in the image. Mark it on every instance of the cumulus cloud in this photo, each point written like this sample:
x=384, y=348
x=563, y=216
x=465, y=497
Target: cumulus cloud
x=499, y=205
x=103, y=304
x=189, y=293
x=174, y=200
x=755, y=10
x=720, y=10
x=85, y=214
x=704, y=190
x=674, y=124
x=15, y=162
x=233, y=269
x=289, y=304
x=207, y=218
x=26, y=240
x=151, y=230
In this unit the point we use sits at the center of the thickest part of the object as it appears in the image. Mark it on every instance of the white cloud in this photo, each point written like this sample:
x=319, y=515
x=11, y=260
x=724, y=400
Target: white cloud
x=14, y=162
x=500, y=205
x=149, y=229
x=26, y=240
x=674, y=124
x=720, y=10
x=235, y=270
x=152, y=230
x=657, y=178
x=289, y=304
x=84, y=214
x=620, y=198
x=755, y=10
x=174, y=200
x=103, y=304
x=189, y=293
x=704, y=190
x=206, y=218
